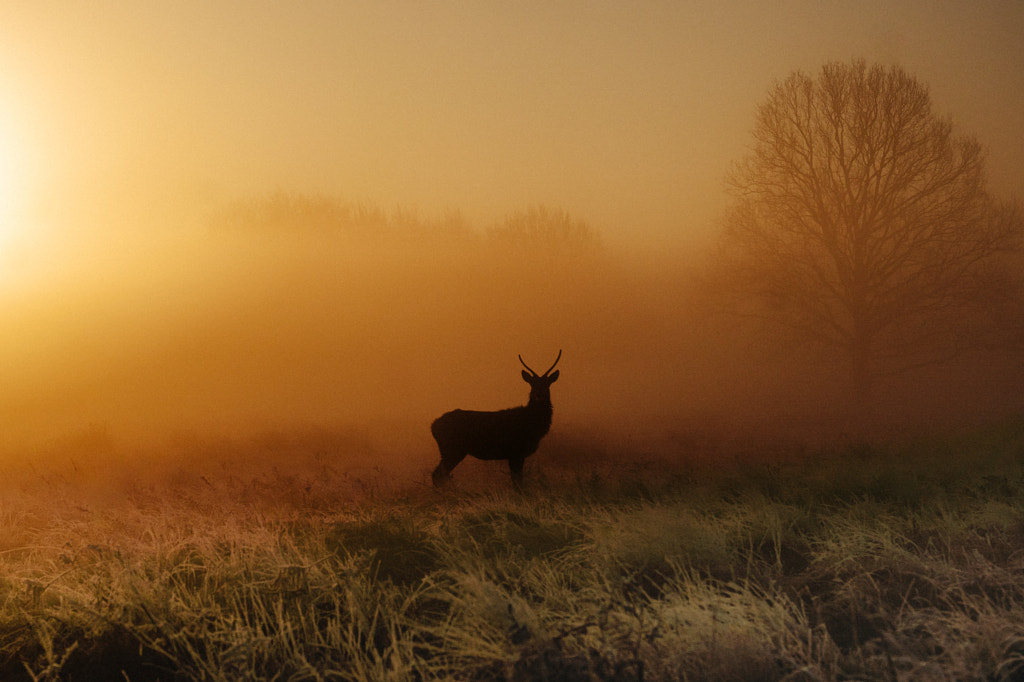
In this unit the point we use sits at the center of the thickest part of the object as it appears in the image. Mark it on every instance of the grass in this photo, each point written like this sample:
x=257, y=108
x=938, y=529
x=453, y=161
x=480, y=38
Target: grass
x=898, y=562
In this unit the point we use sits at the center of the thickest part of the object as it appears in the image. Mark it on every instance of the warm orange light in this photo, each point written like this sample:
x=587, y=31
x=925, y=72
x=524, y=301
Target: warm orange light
x=8, y=170
x=13, y=178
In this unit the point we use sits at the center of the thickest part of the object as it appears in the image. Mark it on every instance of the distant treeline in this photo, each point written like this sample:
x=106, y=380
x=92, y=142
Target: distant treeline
x=284, y=213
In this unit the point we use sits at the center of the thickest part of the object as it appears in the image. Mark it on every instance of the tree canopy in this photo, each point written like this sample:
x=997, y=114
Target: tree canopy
x=545, y=229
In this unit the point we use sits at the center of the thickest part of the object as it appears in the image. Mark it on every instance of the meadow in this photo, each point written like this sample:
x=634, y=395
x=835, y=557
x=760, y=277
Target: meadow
x=900, y=560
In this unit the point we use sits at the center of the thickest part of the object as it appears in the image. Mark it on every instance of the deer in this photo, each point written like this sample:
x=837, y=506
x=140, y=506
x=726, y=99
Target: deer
x=512, y=434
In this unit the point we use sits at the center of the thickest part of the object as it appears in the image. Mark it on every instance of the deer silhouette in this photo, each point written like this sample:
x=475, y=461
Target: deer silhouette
x=513, y=434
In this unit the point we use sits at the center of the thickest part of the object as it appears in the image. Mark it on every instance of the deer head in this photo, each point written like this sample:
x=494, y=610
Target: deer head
x=540, y=384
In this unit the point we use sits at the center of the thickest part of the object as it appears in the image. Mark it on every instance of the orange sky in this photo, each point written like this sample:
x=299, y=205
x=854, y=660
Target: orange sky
x=124, y=125
x=627, y=114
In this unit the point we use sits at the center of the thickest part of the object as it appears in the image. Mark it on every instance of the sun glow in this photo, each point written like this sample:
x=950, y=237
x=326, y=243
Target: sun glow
x=12, y=177
x=20, y=165
x=7, y=173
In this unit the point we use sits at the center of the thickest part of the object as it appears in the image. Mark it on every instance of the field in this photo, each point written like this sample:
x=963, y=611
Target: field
x=897, y=561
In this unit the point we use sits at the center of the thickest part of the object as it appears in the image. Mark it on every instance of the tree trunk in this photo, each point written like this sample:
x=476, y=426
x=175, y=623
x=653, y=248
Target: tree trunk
x=862, y=381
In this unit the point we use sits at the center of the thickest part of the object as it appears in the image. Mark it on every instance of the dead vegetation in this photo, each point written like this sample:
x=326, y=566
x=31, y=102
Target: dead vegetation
x=884, y=562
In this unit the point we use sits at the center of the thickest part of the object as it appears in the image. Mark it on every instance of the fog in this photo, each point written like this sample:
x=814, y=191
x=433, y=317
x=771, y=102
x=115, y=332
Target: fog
x=230, y=331
x=134, y=321
x=238, y=335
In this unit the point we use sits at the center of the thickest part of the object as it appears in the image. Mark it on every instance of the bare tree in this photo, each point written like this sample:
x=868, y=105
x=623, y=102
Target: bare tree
x=861, y=221
x=543, y=229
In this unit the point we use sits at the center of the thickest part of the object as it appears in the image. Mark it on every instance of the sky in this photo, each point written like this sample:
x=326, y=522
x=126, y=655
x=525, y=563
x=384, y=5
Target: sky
x=625, y=114
x=125, y=125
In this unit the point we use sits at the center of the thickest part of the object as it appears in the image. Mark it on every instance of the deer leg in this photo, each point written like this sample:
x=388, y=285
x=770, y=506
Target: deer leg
x=443, y=473
x=515, y=465
x=441, y=476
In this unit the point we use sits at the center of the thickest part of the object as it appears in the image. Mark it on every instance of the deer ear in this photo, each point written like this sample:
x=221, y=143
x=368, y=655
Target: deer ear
x=527, y=377
x=554, y=377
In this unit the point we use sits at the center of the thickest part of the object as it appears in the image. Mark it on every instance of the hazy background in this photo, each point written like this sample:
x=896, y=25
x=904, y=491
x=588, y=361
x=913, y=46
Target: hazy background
x=126, y=128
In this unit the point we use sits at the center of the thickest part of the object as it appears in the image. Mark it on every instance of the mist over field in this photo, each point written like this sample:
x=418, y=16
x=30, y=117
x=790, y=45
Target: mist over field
x=348, y=346
x=239, y=331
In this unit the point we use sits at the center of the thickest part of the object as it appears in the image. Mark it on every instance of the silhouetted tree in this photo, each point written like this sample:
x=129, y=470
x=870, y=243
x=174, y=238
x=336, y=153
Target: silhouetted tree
x=540, y=228
x=861, y=221
x=295, y=213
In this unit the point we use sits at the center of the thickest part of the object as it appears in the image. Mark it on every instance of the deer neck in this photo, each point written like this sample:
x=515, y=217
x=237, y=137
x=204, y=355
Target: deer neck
x=541, y=405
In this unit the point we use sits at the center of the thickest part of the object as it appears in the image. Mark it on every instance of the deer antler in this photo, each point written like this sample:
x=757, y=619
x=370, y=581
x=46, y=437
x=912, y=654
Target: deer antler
x=556, y=362
x=527, y=366
x=549, y=368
